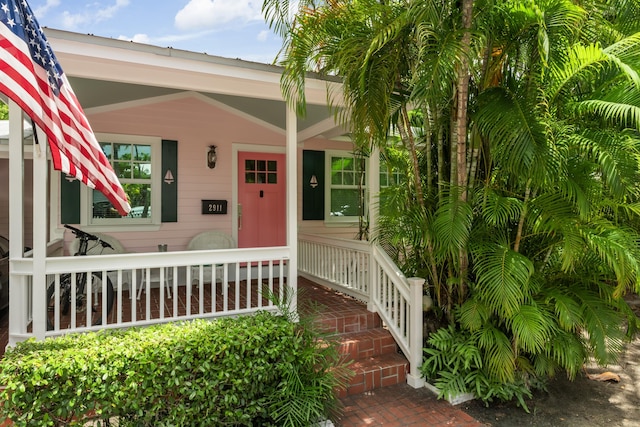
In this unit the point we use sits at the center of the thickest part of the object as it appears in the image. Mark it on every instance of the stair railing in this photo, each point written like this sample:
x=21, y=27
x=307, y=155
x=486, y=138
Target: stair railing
x=398, y=302
x=363, y=270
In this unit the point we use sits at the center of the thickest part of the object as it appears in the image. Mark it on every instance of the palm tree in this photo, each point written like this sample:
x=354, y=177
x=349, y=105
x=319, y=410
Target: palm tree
x=523, y=171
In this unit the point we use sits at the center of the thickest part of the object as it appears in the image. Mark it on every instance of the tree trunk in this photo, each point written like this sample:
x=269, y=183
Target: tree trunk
x=461, y=130
x=462, y=99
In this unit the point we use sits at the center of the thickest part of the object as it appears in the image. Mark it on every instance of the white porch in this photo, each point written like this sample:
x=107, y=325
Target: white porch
x=355, y=268
x=350, y=267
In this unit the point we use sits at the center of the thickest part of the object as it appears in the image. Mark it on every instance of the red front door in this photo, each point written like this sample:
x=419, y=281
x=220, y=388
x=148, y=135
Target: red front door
x=262, y=200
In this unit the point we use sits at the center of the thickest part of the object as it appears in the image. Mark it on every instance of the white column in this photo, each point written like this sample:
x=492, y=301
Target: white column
x=373, y=186
x=54, y=208
x=373, y=196
x=18, y=284
x=292, y=202
x=40, y=221
x=414, y=378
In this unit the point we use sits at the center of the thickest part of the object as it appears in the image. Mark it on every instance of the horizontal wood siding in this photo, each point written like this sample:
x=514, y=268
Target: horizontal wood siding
x=195, y=124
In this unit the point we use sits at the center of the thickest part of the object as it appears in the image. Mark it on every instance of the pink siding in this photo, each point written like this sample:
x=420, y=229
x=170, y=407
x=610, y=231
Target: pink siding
x=195, y=124
x=28, y=200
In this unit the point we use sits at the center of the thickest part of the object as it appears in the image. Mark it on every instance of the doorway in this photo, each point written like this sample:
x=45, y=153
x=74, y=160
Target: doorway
x=261, y=200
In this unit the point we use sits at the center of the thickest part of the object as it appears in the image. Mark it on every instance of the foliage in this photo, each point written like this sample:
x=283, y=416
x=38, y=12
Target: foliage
x=252, y=370
x=454, y=363
x=521, y=200
x=4, y=111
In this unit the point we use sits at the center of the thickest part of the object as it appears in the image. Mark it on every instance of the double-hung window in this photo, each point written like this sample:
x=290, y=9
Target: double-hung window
x=136, y=163
x=346, y=184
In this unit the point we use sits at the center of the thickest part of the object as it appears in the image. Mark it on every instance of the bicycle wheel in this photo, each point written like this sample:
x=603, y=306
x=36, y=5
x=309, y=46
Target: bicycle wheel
x=84, y=316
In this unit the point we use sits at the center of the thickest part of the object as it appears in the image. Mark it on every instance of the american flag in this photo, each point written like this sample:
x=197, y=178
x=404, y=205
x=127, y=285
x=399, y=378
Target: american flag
x=31, y=76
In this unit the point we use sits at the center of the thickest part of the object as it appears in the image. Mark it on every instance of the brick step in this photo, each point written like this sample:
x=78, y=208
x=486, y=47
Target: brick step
x=375, y=372
x=349, y=321
x=367, y=343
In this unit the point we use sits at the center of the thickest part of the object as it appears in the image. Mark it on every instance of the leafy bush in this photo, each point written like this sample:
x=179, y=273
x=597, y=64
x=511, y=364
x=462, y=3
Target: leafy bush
x=454, y=364
x=253, y=370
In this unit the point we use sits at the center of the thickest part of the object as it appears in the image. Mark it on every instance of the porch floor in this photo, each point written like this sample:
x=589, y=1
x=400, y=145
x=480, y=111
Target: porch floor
x=394, y=406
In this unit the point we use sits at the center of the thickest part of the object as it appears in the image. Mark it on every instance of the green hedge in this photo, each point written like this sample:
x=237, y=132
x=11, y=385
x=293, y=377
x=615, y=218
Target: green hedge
x=251, y=370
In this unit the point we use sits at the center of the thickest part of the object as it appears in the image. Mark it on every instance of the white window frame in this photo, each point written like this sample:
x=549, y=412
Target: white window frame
x=86, y=199
x=328, y=218
x=389, y=174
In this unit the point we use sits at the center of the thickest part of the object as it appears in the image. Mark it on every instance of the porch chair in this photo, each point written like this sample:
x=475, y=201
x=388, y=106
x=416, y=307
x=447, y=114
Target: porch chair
x=99, y=250
x=208, y=240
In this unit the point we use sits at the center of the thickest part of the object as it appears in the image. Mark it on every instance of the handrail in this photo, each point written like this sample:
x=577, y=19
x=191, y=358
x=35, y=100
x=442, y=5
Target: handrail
x=379, y=283
x=398, y=302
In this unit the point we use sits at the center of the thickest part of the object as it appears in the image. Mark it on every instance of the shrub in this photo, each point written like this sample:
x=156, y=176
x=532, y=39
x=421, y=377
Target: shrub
x=252, y=370
x=453, y=363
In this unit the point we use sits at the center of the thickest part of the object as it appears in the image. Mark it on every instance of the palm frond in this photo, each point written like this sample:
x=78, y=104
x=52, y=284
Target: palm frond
x=516, y=135
x=499, y=211
x=583, y=62
x=603, y=329
x=531, y=328
x=473, y=314
x=502, y=277
x=499, y=359
x=566, y=350
x=452, y=224
x=612, y=245
x=567, y=309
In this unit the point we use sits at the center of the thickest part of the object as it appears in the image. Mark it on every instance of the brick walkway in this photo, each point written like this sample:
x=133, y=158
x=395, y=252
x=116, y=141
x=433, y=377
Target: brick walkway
x=399, y=406
x=394, y=406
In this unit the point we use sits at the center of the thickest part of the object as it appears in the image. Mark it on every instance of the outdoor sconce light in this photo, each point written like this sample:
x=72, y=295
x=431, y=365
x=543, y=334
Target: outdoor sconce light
x=212, y=157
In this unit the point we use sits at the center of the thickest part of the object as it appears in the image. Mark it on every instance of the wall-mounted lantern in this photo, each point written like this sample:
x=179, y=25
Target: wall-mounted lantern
x=212, y=157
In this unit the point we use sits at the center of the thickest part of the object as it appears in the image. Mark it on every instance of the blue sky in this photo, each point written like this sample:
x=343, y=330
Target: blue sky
x=228, y=28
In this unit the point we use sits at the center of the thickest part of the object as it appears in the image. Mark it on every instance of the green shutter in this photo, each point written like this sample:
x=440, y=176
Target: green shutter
x=312, y=194
x=69, y=200
x=169, y=189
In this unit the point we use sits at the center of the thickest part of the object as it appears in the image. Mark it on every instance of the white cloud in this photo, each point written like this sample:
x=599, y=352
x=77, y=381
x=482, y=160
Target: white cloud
x=74, y=20
x=166, y=40
x=110, y=11
x=138, y=38
x=42, y=10
x=263, y=35
x=214, y=13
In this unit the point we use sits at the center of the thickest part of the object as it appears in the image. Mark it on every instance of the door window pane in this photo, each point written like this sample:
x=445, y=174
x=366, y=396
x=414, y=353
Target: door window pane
x=256, y=172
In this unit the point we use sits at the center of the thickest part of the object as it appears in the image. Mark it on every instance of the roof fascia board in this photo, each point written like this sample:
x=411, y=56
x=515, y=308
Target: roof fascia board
x=116, y=60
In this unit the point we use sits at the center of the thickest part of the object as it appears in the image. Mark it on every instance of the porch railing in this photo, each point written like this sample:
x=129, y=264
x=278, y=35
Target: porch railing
x=366, y=272
x=152, y=288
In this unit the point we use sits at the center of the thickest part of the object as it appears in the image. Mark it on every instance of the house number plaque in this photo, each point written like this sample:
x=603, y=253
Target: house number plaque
x=214, y=207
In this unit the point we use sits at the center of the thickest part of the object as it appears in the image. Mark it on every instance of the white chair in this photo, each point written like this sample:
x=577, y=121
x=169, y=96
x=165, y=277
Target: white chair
x=208, y=240
x=97, y=249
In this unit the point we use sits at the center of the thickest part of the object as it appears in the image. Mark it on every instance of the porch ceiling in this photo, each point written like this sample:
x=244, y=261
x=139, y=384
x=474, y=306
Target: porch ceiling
x=94, y=93
x=107, y=73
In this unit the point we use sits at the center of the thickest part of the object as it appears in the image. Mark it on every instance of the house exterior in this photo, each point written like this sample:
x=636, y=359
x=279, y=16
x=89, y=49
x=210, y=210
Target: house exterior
x=282, y=188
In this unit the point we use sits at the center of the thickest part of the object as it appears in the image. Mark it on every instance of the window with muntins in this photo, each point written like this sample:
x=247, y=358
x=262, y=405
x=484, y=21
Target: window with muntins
x=345, y=187
x=261, y=172
x=135, y=161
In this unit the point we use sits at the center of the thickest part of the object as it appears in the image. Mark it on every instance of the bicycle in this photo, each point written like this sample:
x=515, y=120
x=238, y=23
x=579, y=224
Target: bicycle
x=82, y=293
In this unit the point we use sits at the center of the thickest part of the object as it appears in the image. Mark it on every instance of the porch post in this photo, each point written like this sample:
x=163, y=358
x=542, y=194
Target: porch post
x=374, y=191
x=414, y=378
x=40, y=215
x=18, y=284
x=292, y=202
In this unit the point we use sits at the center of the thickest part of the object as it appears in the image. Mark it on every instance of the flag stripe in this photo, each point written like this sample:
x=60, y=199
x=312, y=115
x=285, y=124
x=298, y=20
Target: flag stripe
x=31, y=76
